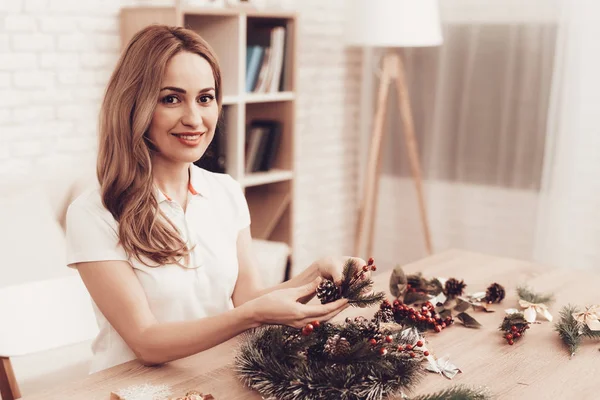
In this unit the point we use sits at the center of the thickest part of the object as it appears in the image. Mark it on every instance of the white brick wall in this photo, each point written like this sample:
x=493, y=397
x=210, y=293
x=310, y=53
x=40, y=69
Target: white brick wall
x=328, y=129
x=55, y=59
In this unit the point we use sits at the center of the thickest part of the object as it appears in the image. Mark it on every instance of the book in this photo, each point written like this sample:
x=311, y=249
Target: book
x=254, y=58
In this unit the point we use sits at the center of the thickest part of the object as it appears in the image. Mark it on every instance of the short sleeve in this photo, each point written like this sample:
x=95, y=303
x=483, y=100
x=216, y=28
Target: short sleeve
x=241, y=204
x=91, y=236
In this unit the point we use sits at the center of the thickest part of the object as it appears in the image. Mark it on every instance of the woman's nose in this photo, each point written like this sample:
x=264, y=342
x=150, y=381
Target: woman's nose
x=192, y=117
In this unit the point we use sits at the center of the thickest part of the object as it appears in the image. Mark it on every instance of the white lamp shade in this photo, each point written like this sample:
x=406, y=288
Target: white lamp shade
x=393, y=23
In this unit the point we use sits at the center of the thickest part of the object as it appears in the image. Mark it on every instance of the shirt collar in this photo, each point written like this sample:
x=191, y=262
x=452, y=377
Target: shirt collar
x=197, y=185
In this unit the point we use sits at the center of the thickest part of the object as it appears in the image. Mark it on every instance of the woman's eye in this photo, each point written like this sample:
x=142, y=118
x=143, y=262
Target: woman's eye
x=206, y=98
x=170, y=99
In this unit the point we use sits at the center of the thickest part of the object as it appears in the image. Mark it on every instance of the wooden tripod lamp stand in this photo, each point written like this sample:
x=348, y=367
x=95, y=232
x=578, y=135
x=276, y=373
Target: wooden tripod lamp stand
x=391, y=24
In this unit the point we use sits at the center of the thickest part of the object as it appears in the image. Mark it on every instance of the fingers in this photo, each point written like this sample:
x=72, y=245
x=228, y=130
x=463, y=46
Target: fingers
x=324, y=317
x=320, y=310
x=308, y=288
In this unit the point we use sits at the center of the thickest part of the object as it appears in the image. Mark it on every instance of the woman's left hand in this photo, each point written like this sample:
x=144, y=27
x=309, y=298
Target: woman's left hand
x=333, y=267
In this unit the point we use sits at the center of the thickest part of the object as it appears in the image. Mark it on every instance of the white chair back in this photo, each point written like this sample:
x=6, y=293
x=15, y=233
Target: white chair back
x=44, y=315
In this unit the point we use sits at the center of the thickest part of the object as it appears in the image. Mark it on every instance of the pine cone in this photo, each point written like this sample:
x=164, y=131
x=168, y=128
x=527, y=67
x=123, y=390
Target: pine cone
x=454, y=288
x=328, y=291
x=337, y=346
x=385, y=313
x=384, y=316
x=494, y=294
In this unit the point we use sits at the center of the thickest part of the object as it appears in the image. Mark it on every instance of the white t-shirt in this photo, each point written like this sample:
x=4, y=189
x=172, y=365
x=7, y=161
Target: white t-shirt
x=216, y=211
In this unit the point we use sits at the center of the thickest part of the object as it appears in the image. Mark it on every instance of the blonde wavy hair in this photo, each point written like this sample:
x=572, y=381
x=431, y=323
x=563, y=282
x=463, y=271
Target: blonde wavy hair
x=124, y=167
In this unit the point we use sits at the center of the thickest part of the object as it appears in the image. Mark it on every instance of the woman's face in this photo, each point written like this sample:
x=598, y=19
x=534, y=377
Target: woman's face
x=185, y=117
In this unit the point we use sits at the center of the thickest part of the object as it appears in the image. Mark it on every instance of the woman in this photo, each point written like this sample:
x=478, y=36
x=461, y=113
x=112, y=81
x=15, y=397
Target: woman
x=164, y=247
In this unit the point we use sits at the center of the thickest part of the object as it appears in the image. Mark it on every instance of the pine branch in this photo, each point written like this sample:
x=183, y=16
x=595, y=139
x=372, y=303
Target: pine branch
x=457, y=393
x=357, y=288
x=569, y=328
x=368, y=300
x=525, y=293
x=589, y=333
x=350, y=268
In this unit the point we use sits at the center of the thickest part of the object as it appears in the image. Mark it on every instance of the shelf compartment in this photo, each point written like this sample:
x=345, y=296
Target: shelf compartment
x=268, y=205
x=282, y=111
x=221, y=31
x=263, y=178
x=249, y=98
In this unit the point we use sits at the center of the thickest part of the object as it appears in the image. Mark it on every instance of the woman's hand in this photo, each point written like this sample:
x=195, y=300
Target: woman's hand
x=282, y=307
x=333, y=267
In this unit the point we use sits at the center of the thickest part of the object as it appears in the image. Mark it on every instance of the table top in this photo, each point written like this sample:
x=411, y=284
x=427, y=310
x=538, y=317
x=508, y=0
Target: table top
x=537, y=366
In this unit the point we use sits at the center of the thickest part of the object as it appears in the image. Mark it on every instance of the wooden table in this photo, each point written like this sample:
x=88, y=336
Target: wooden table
x=536, y=367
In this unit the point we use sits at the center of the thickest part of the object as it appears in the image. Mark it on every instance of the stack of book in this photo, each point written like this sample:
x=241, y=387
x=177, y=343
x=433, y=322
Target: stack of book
x=262, y=143
x=265, y=63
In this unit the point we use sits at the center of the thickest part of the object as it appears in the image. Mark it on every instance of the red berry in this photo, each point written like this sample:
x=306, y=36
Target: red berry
x=438, y=328
x=409, y=347
x=365, y=268
x=509, y=336
x=396, y=303
x=517, y=335
x=389, y=338
x=371, y=261
x=383, y=351
x=316, y=323
x=443, y=325
x=305, y=332
x=412, y=355
x=373, y=267
x=420, y=343
x=425, y=353
x=511, y=342
x=400, y=348
x=373, y=342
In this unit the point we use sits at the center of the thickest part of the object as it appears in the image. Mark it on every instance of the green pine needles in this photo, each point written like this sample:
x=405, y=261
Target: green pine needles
x=457, y=393
x=525, y=293
x=571, y=331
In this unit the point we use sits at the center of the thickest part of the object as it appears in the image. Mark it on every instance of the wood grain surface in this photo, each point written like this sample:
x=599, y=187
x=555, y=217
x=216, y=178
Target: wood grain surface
x=536, y=367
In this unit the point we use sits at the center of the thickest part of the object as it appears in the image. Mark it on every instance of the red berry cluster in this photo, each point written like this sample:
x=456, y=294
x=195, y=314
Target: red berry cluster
x=309, y=328
x=387, y=346
x=424, y=318
x=361, y=274
x=515, y=332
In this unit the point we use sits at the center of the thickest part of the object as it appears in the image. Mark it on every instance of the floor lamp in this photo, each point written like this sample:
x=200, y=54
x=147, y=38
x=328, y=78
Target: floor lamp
x=391, y=25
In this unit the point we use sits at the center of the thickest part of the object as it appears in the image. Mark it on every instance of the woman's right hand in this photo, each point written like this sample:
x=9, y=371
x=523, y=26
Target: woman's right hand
x=282, y=307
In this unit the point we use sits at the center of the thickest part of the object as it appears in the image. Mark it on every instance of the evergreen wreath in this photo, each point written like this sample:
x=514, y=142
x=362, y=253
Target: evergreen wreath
x=359, y=359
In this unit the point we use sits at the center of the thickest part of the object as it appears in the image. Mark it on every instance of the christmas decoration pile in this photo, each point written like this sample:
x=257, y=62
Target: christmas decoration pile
x=354, y=286
x=441, y=300
x=424, y=318
x=574, y=325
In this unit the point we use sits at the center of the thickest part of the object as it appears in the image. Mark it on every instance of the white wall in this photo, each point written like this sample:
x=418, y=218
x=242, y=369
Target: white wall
x=56, y=57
